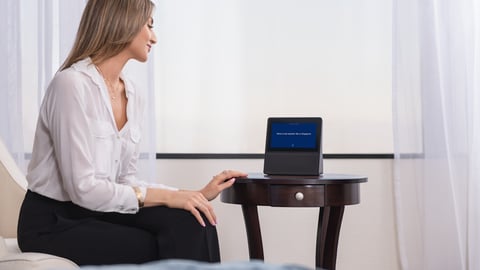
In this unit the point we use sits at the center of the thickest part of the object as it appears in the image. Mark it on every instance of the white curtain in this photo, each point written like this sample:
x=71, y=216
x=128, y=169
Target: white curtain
x=10, y=101
x=436, y=104
x=37, y=36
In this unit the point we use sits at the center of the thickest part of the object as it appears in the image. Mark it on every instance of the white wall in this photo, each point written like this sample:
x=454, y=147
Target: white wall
x=367, y=237
x=223, y=67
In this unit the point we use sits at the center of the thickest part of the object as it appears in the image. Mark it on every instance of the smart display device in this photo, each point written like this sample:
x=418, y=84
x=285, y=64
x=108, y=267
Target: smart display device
x=293, y=146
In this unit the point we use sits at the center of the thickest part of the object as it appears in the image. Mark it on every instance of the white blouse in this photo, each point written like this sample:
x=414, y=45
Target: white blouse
x=79, y=155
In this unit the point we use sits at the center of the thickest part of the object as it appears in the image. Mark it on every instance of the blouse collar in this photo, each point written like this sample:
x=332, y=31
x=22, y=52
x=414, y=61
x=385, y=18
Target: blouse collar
x=87, y=67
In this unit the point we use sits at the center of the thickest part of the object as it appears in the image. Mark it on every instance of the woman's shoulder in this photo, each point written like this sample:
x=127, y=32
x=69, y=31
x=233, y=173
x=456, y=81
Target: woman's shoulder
x=69, y=76
x=72, y=77
x=68, y=84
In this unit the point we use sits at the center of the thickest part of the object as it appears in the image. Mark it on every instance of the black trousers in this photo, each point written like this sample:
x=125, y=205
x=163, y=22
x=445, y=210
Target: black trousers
x=95, y=238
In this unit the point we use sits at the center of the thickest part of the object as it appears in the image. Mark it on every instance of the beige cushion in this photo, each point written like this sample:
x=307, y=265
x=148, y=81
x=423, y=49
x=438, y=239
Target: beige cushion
x=12, y=245
x=11, y=259
x=3, y=247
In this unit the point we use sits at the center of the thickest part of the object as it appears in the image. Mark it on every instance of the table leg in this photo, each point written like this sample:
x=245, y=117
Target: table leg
x=328, y=231
x=252, y=225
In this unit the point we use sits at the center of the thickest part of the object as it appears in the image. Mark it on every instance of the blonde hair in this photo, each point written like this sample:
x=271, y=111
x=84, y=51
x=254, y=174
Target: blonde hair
x=107, y=27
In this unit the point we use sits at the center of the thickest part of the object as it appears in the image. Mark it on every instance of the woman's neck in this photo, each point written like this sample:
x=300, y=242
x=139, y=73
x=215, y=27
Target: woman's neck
x=112, y=67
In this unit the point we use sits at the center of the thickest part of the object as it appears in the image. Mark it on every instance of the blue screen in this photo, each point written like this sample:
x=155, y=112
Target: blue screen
x=293, y=135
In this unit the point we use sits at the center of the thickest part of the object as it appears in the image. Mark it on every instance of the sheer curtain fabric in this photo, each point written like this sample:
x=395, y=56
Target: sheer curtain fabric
x=10, y=80
x=436, y=104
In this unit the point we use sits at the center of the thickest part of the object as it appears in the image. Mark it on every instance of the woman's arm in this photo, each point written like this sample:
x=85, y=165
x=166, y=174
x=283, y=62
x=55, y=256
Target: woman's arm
x=194, y=201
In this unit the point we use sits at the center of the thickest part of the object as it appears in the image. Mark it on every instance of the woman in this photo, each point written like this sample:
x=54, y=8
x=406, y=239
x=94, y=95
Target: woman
x=84, y=200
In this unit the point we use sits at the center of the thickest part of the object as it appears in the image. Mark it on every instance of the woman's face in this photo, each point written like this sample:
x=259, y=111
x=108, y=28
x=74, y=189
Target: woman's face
x=143, y=41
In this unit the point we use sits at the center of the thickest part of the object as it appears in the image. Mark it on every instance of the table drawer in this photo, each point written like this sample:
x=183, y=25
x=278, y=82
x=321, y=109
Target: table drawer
x=297, y=196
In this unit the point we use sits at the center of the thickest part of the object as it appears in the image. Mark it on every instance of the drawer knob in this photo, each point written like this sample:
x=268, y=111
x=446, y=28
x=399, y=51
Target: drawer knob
x=299, y=196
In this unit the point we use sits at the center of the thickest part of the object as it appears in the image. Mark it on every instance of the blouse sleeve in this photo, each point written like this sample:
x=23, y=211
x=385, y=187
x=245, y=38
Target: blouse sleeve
x=70, y=130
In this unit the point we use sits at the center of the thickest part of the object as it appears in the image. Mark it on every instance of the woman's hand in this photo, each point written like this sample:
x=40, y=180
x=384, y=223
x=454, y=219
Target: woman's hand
x=194, y=202
x=220, y=182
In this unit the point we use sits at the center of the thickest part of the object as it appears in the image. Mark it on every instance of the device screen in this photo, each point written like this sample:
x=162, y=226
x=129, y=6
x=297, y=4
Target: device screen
x=299, y=136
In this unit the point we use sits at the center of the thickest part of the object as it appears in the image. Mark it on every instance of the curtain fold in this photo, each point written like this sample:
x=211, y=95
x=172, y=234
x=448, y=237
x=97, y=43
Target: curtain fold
x=10, y=80
x=436, y=140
